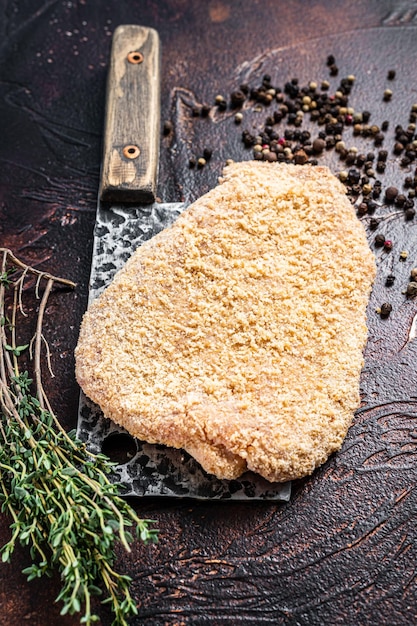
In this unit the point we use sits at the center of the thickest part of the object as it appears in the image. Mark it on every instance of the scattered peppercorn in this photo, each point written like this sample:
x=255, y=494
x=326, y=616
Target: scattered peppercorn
x=207, y=154
x=388, y=244
x=354, y=176
x=387, y=94
x=319, y=145
x=403, y=255
x=413, y=273
x=391, y=193
x=201, y=162
x=220, y=102
x=237, y=98
x=168, y=126
x=411, y=289
x=386, y=309
x=390, y=279
x=391, y=74
x=379, y=240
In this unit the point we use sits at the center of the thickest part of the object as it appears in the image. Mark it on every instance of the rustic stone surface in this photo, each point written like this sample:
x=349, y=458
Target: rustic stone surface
x=343, y=551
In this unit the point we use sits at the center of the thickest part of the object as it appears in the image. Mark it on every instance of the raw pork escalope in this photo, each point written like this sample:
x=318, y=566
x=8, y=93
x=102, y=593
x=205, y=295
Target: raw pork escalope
x=237, y=333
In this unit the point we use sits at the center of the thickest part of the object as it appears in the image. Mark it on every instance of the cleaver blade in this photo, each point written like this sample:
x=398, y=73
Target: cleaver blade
x=127, y=216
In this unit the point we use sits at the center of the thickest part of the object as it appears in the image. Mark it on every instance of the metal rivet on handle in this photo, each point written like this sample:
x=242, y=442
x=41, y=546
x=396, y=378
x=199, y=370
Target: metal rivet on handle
x=131, y=152
x=135, y=57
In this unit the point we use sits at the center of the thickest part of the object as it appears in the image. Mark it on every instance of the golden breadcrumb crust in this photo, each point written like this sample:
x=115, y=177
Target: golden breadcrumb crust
x=237, y=333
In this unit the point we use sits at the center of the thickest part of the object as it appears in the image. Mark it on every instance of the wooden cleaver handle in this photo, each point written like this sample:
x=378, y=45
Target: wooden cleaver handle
x=132, y=118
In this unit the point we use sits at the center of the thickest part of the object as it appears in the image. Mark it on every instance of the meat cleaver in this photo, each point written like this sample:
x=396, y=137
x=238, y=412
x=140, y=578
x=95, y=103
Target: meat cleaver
x=128, y=215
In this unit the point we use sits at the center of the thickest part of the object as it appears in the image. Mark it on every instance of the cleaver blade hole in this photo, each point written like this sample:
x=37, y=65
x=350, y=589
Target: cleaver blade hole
x=119, y=447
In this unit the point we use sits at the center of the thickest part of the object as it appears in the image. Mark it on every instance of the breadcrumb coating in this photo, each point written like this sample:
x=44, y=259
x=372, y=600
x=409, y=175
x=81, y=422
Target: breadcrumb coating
x=237, y=333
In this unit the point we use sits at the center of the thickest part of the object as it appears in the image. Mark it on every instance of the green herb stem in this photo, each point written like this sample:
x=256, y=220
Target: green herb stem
x=60, y=497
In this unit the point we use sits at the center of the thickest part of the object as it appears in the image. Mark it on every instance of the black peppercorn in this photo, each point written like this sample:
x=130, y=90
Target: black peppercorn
x=168, y=126
x=409, y=214
x=391, y=74
x=237, y=98
x=391, y=193
x=207, y=154
x=389, y=281
x=373, y=224
x=386, y=309
x=354, y=176
x=379, y=240
x=400, y=200
x=319, y=145
x=248, y=139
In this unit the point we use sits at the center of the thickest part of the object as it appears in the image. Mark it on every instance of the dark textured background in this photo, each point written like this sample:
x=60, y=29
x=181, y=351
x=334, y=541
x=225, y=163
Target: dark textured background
x=343, y=551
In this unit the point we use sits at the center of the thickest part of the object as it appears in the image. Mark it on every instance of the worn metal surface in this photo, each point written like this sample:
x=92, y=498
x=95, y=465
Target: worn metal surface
x=145, y=469
x=343, y=550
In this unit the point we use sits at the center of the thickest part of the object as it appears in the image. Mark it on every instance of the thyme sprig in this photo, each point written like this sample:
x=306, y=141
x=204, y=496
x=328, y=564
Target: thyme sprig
x=59, y=496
